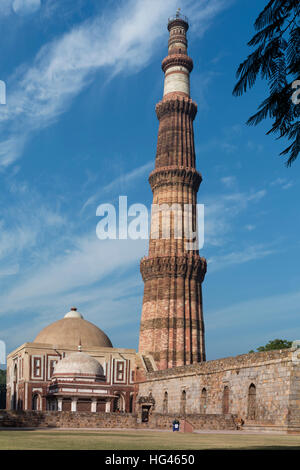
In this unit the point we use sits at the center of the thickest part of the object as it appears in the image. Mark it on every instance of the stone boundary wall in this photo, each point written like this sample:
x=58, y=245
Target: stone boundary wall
x=67, y=419
x=275, y=376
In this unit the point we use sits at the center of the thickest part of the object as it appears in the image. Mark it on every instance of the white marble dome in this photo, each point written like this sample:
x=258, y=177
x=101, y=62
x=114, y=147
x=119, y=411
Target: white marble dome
x=78, y=363
x=73, y=313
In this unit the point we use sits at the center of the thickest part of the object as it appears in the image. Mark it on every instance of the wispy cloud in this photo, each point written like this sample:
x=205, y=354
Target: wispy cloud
x=11, y=148
x=282, y=183
x=121, y=40
x=101, y=278
x=23, y=234
x=264, y=309
x=201, y=84
x=119, y=184
x=113, y=306
x=253, y=146
x=239, y=327
x=27, y=222
x=20, y=7
x=250, y=227
x=9, y=270
x=203, y=12
x=229, y=148
x=5, y=8
x=221, y=211
x=230, y=140
x=250, y=253
x=87, y=262
x=25, y=7
x=61, y=10
x=228, y=181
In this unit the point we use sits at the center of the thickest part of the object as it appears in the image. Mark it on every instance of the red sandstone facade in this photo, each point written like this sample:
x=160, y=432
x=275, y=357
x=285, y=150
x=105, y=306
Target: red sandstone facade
x=172, y=328
x=35, y=380
x=29, y=387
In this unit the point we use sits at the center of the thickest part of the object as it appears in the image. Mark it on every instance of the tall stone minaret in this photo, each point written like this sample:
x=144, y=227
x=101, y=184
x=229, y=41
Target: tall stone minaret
x=172, y=328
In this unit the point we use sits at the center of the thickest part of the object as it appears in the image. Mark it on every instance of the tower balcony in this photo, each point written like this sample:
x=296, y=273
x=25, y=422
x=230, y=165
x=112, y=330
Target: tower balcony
x=178, y=20
x=177, y=60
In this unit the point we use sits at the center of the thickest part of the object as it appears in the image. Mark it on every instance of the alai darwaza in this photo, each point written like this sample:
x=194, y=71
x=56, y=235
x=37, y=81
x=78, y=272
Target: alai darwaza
x=71, y=365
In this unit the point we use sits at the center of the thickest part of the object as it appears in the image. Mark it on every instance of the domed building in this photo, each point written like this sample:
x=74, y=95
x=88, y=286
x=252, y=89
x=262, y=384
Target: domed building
x=78, y=384
x=73, y=329
x=71, y=365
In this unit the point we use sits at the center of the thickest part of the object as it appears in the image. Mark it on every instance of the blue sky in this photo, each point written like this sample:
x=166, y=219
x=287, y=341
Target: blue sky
x=79, y=129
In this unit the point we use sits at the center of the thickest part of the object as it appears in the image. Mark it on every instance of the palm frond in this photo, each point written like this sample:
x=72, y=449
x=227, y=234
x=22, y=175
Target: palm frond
x=293, y=52
x=278, y=74
x=266, y=109
x=293, y=149
x=270, y=13
x=268, y=32
x=277, y=60
x=248, y=71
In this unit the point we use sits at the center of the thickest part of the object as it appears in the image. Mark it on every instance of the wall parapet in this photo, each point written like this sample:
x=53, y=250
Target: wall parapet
x=220, y=365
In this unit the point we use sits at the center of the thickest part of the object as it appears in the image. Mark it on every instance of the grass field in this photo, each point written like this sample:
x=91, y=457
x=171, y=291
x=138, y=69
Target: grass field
x=121, y=440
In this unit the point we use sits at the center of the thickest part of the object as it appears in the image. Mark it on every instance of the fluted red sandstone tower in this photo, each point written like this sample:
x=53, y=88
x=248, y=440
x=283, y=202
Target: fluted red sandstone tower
x=172, y=327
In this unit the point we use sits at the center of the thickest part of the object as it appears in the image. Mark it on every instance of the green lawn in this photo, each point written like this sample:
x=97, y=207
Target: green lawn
x=151, y=440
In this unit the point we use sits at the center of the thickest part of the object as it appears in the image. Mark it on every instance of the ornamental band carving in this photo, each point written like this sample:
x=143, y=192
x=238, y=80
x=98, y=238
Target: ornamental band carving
x=182, y=105
x=187, y=266
x=175, y=175
x=177, y=60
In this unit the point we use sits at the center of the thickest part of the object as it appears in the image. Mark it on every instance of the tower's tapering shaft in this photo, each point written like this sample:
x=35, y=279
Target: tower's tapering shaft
x=172, y=327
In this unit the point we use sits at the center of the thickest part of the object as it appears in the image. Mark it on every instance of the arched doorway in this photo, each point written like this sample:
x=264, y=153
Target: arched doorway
x=225, y=404
x=252, y=402
x=36, y=402
x=146, y=405
x=203, y=401
x=183, y=403
x=165, y=403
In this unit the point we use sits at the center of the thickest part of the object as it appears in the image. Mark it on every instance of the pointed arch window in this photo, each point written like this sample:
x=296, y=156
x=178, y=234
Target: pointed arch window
x=203, y=400
x=252, y=402
x=165, y=403
x=225, y=404
x=183, y=403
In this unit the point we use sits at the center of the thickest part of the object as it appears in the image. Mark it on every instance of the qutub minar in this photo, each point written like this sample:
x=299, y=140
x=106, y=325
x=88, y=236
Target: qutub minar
x=70, y=375
x=172, y=327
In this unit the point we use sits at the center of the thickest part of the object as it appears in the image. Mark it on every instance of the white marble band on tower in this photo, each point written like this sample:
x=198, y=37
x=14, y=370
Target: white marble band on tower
x=177, y=78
